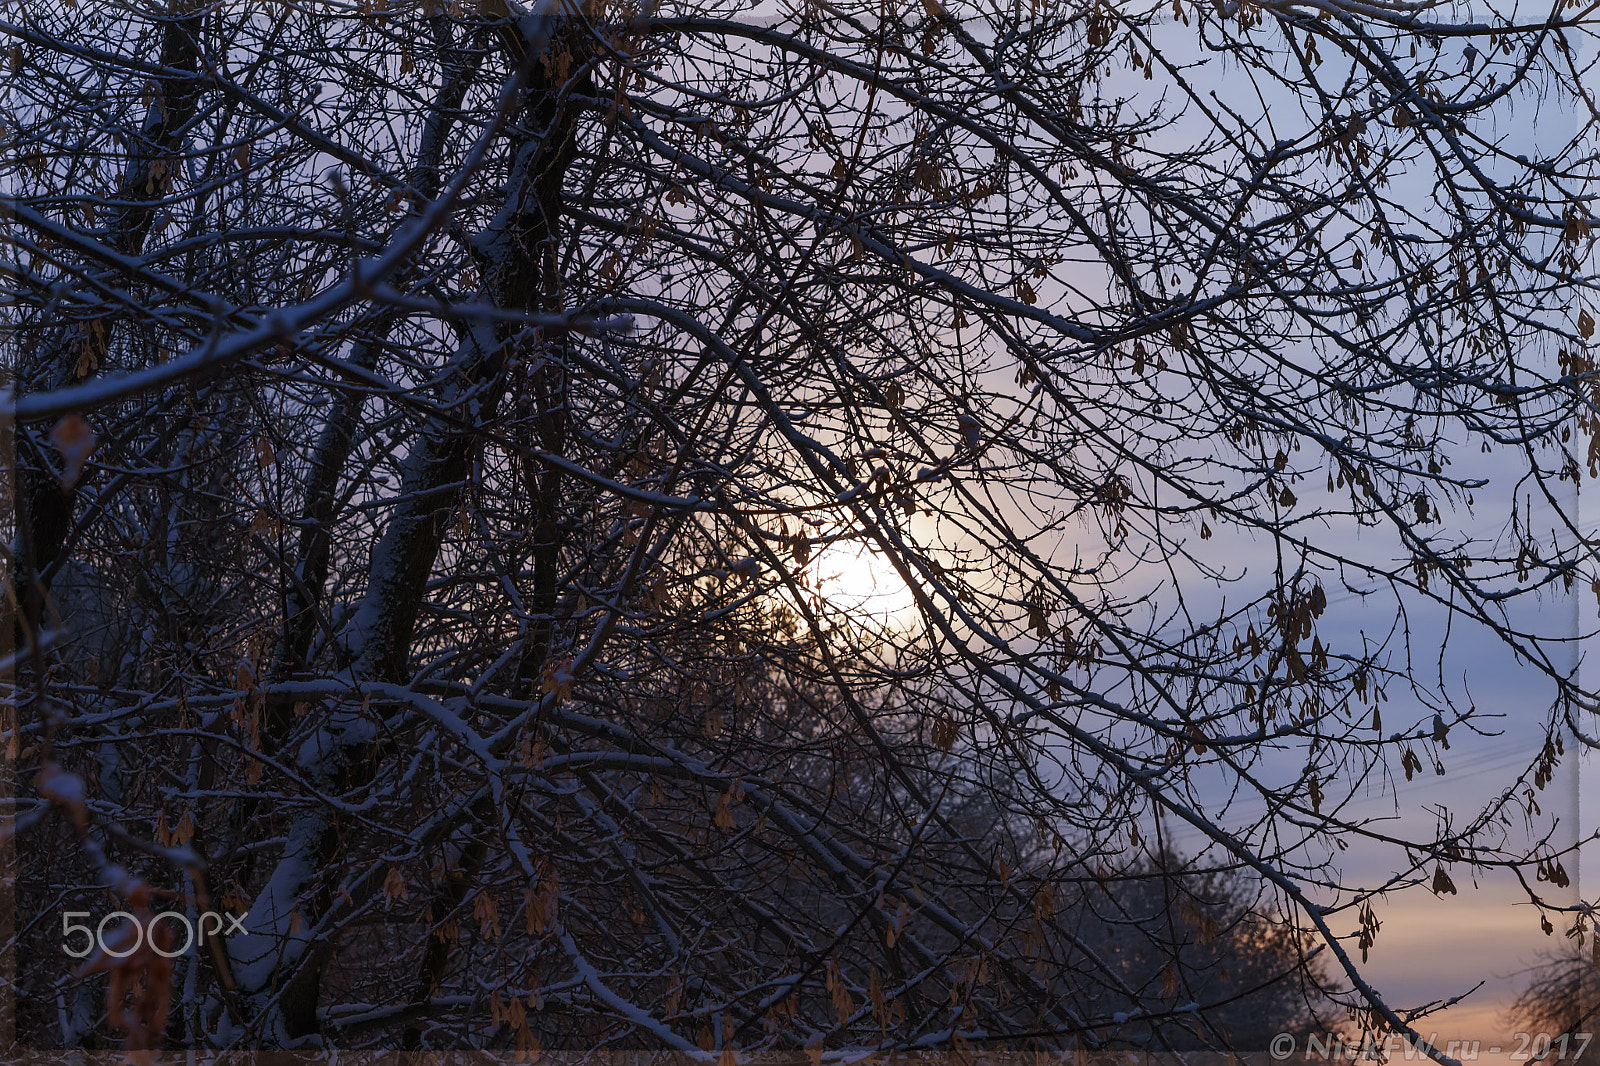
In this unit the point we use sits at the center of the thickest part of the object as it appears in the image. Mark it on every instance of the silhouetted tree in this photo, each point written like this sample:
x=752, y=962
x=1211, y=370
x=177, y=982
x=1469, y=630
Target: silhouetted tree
x=1560, y=1006
x=434, y=422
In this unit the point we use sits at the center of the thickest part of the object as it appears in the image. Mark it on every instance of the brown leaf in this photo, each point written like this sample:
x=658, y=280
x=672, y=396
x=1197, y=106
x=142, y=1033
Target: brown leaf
x=487, y=913
x=394, y=885
x=75, y=440
x=558, y=678
x=723, y=817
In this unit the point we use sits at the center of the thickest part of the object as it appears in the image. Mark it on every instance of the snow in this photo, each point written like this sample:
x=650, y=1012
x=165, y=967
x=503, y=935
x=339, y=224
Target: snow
x=268, y=939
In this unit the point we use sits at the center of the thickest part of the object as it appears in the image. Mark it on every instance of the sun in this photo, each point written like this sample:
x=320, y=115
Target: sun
x=859, y=581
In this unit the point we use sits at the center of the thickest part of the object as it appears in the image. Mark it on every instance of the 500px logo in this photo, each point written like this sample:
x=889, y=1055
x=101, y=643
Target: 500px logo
x=160, y=929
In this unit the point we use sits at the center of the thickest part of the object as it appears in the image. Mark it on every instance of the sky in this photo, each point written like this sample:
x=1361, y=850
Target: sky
x=1434, y=948
x=1431, y=948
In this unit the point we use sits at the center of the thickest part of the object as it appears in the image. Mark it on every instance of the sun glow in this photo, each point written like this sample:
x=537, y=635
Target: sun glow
x=859, y=581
